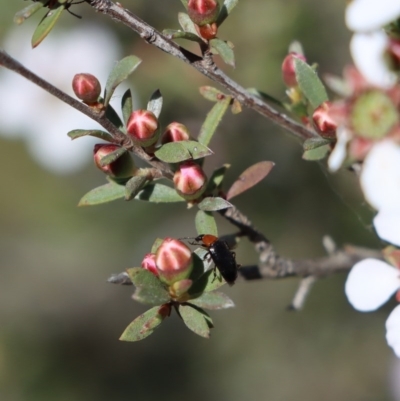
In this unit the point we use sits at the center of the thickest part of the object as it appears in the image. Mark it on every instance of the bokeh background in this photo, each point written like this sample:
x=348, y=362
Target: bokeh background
x=59, y=319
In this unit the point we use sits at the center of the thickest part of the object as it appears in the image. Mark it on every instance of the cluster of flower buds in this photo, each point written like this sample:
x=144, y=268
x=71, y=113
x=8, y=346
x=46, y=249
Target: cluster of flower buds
x=204, y=14
x=172, y=264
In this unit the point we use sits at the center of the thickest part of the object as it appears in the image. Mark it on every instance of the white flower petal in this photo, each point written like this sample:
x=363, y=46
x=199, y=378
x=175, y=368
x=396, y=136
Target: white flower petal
x=393, y=330
x=368, y=51
x=387, y=225
x=380, y=176
x=339, y=153
x=368, y=15
x=370, y=284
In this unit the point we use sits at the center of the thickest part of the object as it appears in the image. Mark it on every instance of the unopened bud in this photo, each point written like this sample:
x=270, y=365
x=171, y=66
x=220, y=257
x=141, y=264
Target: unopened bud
x=142, y=127
x=323, y=122
x=174, y=260
x=149, y=263
x=86, y=87
x=175, y=132
x=203, y=12
x=123, y=167
x=190, y=180
x=288, y=69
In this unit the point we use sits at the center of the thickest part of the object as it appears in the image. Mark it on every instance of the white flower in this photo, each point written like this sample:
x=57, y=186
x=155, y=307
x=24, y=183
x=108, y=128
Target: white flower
x=29, y=113
x=338, y=155
x=369, y=285
x=369, y=43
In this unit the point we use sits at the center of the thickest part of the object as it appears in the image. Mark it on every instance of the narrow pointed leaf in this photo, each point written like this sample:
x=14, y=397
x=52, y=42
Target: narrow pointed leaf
x=196, y=320
x=26, y=12
x=265, y=96
x=212, y=94
x=155, y=103
x=174, y=34
x=103, y=194
x=159, y=193
x=175, y=152
x=156, y=245
x=77, y=133
x=309, y=83
x=185, y=3
x=113, y=116
x=209, y=281
x=144, y=325
x=217, y=178
x=120, y=72
x=205, y=223
x=212, y=120
x=316, y=154
x=224, y=50
x=211, y=204
x=133, y=186
x=213, y=300
x=149, y=289
x=127, y=105
x=186, y=23
x=226, y=9
x=46, y=25
x=111, y=157
x=314, y=143
x=250, y=177
x=236, y=107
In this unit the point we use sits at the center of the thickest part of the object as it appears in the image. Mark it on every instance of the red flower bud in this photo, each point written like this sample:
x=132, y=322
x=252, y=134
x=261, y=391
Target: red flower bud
x=142, y=126
x=175, y=132
x=123, y=167
x=149, y=263
x=208, y=31
x=203, y=12
x=86, y=87
x=190, y=180
x=323, y=122
x=174, y=260
x=288, y=71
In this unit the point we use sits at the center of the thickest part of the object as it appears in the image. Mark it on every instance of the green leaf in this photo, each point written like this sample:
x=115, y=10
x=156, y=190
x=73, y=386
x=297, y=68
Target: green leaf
x=46, y=25
x=226, y=9
x=175, y=152
x=185, y=3
x=317, y=153
x=211, y=204
x=265, y=96
x=224, y=50
x=217, y=178
x=155, y=103
x=314, y=143
x=127, y=105
x=111, y=157
x=209, y=281
x=113, y=116
x=158, y=193
x=309, y=83
x=250, y=177
x=196, y=320
x=103, y=194
x=144, y=325
x=186, y=23
x=119, y=73
x=26, y=12
x=213, y=300
x=236, y=107
x=156, y=245
x=211, y=93
x=77, y=133
x=174, y=34
x=212, y=120
x=205, y=223
x=149, y=289
x=133, y=186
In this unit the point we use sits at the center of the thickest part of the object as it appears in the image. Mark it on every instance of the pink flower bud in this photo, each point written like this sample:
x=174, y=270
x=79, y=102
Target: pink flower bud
x=175, y=132
x=86, y=87
x=208, y=31
x=190, y=180
x=323, y=122
x=123, y=167
x=142, y=127
x=203, y=12
x=149, y=263
x=288, y=71
x=174, y=260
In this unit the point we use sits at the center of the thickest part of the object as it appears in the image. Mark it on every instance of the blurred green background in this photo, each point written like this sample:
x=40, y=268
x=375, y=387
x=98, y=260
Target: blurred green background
x=60, y=320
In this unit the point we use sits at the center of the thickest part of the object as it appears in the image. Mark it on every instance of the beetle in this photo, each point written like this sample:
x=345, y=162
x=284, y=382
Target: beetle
x=224, y=259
